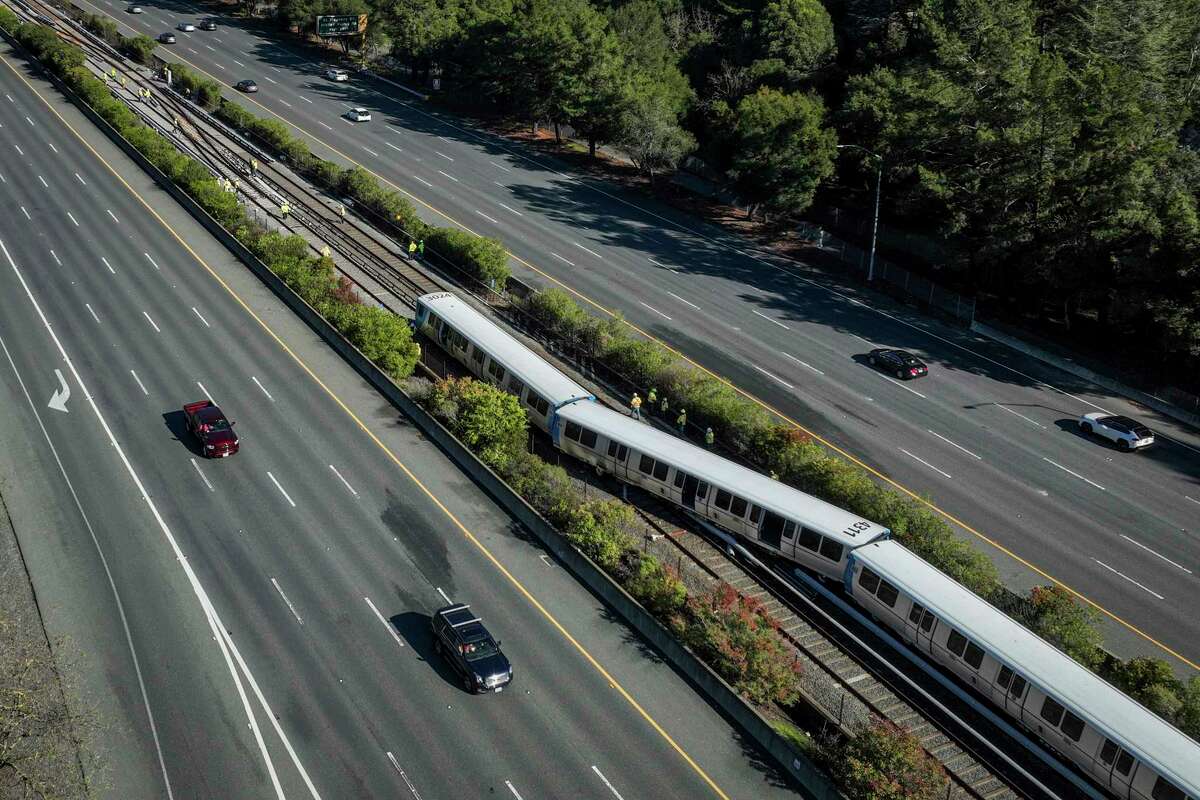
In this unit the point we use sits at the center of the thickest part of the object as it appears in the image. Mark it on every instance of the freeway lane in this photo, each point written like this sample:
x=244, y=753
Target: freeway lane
x=788, y=339
x=322, y=558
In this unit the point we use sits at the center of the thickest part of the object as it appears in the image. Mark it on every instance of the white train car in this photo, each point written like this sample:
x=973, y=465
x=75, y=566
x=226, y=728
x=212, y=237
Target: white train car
x=492, y=355
x=774, y=515
x=1122, y=745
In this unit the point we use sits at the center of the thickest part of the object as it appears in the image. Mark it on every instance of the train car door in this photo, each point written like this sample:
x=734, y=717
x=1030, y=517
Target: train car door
x=920, y=627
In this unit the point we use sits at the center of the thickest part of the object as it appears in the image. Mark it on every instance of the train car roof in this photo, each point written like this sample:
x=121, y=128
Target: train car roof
x=771, y=494
x=515, y=357
x=1169, y=751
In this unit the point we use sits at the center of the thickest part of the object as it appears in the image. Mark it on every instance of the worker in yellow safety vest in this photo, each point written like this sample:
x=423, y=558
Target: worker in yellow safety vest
x=285, y=209
x=635, y=406
x=412, y=248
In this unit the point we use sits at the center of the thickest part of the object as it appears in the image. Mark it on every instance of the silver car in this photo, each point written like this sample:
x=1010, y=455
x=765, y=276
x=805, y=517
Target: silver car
x=1125, y=433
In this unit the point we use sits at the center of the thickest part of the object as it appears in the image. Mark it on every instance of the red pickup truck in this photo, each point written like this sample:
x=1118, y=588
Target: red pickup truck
x=206, y=422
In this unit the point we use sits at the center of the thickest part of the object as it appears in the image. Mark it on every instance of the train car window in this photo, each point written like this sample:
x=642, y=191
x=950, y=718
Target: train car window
x=887, y=594
x=974, y=655
x=1052, y=711
x=1018, y=688
x=573, y=431
x=811, y=540
x=738, y=509
x=868, y=580
x=496, y=371
x=537, y=403
x=1004, y=679
x=723, y=499
x=1108, y=752
x=646, y=465
x=789, y=529
x=832, y=550
x=755, y=514
x=1124, y=762
x=1165, y=790
x=1072, y=726
x=680, y=475
x=588, y=439
x=515, y=385
x=956, y=643
x=927, y=623
x=702, y=490
x=914, y=616
x=456, y=339
x=477, y=355
x=661, y=468
x=617, y=451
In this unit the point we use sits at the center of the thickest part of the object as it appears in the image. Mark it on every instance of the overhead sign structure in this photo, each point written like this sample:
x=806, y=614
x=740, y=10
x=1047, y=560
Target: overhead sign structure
x=341, y=24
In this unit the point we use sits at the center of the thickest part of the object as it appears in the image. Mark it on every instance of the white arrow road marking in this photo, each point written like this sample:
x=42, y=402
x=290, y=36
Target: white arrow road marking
x=58, y=400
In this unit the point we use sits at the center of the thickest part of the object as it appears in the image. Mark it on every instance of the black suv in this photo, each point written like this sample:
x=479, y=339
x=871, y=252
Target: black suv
x=459, y=636
x=902, y=364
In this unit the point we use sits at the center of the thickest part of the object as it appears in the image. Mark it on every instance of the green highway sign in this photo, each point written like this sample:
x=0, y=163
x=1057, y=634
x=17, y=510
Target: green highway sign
x=341, y=24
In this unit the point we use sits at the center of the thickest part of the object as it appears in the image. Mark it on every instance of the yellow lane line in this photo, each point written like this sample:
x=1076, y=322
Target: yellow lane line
x=752, y=398
x=362, y=426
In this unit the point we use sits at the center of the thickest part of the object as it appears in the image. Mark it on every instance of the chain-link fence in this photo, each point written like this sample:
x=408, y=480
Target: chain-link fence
x=902, y=283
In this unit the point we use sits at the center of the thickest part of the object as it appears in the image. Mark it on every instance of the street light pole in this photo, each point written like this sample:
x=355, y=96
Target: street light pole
x=878, y=184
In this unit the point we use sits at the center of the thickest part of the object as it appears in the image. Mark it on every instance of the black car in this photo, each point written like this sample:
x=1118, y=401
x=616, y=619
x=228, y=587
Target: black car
x=246, y=86
x=208, y=25
x=459, y=636
x=901, y=363
x=167, y=38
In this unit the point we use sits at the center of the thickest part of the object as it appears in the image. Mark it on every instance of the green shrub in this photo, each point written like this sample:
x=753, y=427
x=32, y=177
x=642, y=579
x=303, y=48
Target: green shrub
x=140, y=48
x=884, y=762
x=484, y=258
x=655, y=586
x=105, y=28
x=798, y=739
x=602, y=529
x=1188, y=715
x=1069, y=625
x=730, y=633
x=1151, y=682
x=8, y=20
x=383, y=337
x=327, y=175
x=488, y=420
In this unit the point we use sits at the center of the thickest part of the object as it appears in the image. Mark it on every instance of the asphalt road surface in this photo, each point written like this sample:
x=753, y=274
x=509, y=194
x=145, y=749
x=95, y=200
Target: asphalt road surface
x=990, y=435
x=258, y=626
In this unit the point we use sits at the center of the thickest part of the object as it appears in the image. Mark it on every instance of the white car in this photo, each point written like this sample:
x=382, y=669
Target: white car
x=1125, y=433
x=186, y=27
x=337, y=74
x=358, y=115
x=135, y=9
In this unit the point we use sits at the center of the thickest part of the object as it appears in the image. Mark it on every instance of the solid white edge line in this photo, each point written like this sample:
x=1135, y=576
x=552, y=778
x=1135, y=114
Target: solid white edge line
x=1076, y=474
x=203, y=477
x=1126, y=577
x=137, y=667
x=803, y=363
x=952, y=444
x=596, y=770
x=280, y=488
x=264, y=389
x=390, y=627
x=1159, y=555
x=141, y=385
x=773, y=377
x=768, y=319
x=202, y=319
x=343, y=480
x=291, y=607
x=926, y=463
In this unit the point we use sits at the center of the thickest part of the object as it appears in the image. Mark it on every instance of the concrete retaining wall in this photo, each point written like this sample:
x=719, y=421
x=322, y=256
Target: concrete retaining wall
x=813, y=783
x=1148, y=400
